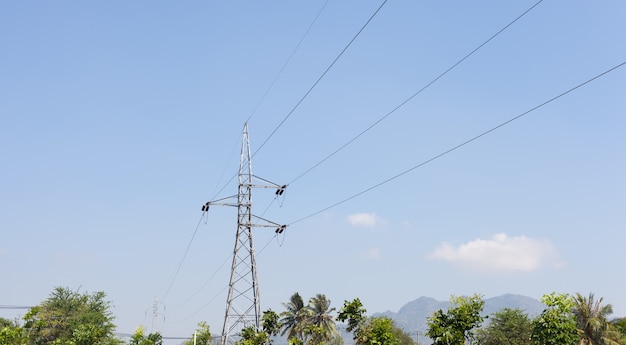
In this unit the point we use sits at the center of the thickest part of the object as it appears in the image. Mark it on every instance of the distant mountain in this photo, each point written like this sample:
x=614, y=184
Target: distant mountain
x=412, y=316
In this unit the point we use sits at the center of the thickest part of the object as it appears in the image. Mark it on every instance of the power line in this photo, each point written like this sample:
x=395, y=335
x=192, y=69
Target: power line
x=306, y=33
x=321, y=77
x=222, y=290
x=15, y=307
x=229, y=258
x=180, y=264
x=203, y=306
x=282, y=69
x=416, y=93
x=401, y=104
x=461, y=144
x=232, y=153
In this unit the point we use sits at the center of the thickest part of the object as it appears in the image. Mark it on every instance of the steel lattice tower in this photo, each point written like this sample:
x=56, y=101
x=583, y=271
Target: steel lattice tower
x=243, y=306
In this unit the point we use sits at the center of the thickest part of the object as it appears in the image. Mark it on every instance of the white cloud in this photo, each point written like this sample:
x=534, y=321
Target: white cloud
x=372, y=254
x=500, y=253
x=364, y=219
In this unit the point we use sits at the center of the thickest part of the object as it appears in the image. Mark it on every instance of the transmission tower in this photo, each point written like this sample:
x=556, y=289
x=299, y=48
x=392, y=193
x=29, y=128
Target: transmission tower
x=243, y=306
x=156, y=315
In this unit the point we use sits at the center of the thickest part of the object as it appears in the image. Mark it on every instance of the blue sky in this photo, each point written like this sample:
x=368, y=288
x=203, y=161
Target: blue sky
x=120, y=119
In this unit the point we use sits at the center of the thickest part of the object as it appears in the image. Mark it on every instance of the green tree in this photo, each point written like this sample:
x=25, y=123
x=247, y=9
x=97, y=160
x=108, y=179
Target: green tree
x=270, y=327
x=7, y=323
x=620, y=326
x=455, y=326
x=354, y=313
x=320, y=325
x=557, y=324
x=11, y=333
x=404, y=338
x=140, y=338
x=251, y=336
x=506, y=326
x=591, y=320
x=378, y=331
x=271, y=324
x=371, y=331
x=68, y=317
x=293, y=319
x=202, y=335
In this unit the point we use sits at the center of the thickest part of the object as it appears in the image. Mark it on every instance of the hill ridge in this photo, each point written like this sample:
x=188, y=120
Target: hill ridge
x=411, y=317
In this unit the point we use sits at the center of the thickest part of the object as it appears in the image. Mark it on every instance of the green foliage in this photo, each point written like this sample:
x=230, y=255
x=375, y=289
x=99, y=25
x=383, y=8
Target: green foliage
x=202, y=334
x=404, y=338
x=7, y=323
x=139, y=338
x=71, y=318
x=250, y=336
x=454, y=326
x=320, y=325
x=557, y=324
x=354, y=313
x=295, y=341
x=507, y=326
x=620, y=326
x=378, y=331
x=591, y=320
x=371, y=331
x=11, y=333
x=312, y=324
x=293, y=319
x=271, y=323
x=271, y=327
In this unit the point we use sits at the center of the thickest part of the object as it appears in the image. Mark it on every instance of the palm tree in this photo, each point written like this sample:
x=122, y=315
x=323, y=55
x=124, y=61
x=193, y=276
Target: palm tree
x=321, y=325
x=592, y=323
x=293, y=320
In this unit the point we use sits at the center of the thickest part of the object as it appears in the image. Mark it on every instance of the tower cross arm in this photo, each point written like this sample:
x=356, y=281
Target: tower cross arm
x=219, y=202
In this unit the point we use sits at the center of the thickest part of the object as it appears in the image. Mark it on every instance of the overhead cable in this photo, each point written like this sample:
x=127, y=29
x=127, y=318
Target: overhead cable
x=180, y=264
x=267, y=91
x=461, y=144
x=15, y=307
x=282, y=69
x=229, y=258
x=416, y=93
x=321, y=77
x=220, y=292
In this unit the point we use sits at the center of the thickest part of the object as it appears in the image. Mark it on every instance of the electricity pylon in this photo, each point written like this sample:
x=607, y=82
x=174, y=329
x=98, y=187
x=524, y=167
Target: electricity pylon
x=243, y=306
x=156, y=315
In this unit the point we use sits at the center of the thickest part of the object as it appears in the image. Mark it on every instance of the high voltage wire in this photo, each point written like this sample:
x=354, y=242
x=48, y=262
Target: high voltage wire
x=180, y=264
x=367, y=129
x=461, y=144
x=306, y=33
x=229, y=258
x=413, y=95
x=416, y=93
x=310, y=89
x=220, y=292
x=297, y=104
x=306, y=94
x=321, y=77
x=219, y=180
x=16, y=307
x=382, y=118
x=280, y=72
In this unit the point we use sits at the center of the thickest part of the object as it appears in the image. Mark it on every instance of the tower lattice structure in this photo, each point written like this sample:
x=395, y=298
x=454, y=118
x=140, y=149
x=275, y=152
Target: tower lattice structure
x=243, y=305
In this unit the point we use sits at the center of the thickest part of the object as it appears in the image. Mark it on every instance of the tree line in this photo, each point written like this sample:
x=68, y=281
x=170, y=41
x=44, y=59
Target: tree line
x=72, y=318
